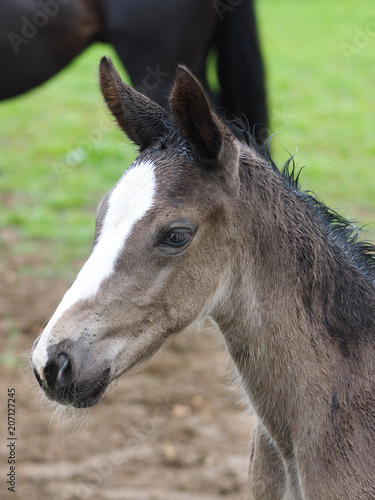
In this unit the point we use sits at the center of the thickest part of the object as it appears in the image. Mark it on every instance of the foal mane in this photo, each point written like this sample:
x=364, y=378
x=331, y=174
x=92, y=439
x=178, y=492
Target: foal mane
x=344, y=231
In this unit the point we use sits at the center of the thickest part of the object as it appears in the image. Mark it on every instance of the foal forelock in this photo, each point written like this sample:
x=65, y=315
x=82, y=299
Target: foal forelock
x=128, y=202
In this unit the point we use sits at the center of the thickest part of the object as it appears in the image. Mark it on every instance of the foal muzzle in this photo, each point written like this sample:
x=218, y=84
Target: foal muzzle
x=60, y=382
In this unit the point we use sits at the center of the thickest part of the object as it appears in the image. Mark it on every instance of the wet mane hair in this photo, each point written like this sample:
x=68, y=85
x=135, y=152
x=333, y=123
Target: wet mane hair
x=344, y=231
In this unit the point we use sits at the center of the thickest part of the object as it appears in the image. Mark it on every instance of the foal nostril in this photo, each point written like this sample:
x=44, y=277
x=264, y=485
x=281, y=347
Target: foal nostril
x=58, y=373
x=65, y=371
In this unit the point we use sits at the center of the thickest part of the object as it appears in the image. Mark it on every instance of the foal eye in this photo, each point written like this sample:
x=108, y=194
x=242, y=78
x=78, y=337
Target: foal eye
x=176, y=238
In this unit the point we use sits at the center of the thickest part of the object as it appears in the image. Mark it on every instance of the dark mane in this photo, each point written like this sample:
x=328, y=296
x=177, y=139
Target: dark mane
x=344, y=232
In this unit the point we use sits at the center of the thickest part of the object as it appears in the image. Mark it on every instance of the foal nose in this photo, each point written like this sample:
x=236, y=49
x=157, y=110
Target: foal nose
x=57, y=373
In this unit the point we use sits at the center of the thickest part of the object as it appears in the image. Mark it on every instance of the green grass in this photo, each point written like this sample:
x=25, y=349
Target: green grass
x=60, y=151
x=322, y=101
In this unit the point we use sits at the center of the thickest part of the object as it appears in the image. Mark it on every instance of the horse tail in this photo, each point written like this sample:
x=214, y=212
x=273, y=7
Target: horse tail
x=240, y=66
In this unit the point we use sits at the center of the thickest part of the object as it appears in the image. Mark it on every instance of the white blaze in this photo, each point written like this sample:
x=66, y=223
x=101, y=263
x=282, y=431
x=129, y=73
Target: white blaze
x=129, y=201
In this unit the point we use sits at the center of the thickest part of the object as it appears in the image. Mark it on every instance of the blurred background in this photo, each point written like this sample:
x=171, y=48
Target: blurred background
x=175, y=427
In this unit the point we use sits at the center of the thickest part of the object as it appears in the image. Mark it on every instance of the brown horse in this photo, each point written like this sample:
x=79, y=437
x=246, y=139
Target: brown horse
x=203, y=225
x=39, y=37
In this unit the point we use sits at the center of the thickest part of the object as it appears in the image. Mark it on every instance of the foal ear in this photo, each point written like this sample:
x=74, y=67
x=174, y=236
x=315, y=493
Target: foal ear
x=138, y=116
x=196, y=119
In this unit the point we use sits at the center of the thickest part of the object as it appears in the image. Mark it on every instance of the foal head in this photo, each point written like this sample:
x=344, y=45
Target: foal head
x=161, y=244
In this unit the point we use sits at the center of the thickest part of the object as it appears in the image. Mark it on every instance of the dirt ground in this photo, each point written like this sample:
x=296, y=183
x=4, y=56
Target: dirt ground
x=171, y=431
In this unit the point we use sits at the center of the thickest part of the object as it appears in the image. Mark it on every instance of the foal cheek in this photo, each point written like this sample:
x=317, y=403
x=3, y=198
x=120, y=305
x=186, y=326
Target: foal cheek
x=193, y=285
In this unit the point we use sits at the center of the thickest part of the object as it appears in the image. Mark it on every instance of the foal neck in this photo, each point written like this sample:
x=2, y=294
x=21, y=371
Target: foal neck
x=296, y=310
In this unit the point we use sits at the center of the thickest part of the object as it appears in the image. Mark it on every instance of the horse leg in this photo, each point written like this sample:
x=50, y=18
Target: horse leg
x=267, y=471
x=152, y=37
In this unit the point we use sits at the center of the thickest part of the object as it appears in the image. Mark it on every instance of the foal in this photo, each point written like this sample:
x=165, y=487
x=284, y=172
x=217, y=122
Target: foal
x=203, y=225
